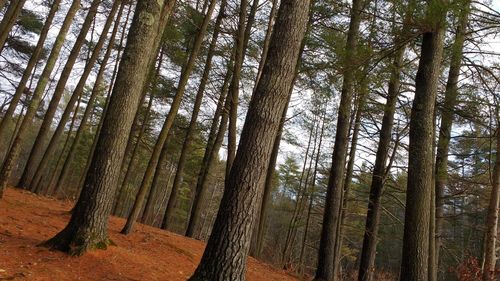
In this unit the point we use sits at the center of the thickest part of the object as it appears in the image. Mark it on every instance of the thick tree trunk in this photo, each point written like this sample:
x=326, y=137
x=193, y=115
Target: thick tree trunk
x=96, y=91
x=54, y=140
x=414, y=264
x=326, y=256
x=172, y=199
x=8, y=117
x=44, y=132
x=447, y=109
x=490, y=245
x=153, y=162
x=88, y=226
x=226, y=253
x=9, y=19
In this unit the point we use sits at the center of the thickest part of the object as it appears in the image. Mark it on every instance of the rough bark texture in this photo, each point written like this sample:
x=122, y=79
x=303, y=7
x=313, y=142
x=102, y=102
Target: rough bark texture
x=262, y=218
x=326, y=256
x=44, y=132
x=226, y=253
x=88, y=226
x=174, y=108
x=8, y=117
x=172, y=199
x=450, y=100
x=96, y=91
x=9, y=19
x=414, y=264
x=492, y=219
x=55, y=139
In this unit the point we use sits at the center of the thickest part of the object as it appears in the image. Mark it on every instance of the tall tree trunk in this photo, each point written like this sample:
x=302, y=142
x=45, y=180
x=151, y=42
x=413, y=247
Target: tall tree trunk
x=9, y=19
x=39, y=189
x=172, y=200
x=241, y=39
x=153, y=162
x=106, y=105
x=414, y=264
x=311, y=199
x=447, y=109
x=96, y=91
x=214, y=142
x=44, y=132
x=226, y=253
x=367, y=257
x=54, y=141
x=327, y=265
x=490, y=245
x=88, y=226
x=7, y=119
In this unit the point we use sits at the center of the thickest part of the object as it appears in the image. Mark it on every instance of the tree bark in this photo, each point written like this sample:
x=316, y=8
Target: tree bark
x=327, y=265
x=414, y=264
x=153, y=162
x=226, y=253
x=44, y=131
x=88, y=226
x=8, y=117
x=54, y=140
x=9, y=19
x=490, y=249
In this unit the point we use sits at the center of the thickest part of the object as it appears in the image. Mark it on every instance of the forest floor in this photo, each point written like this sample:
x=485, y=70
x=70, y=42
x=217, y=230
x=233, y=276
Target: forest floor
x=147, y=254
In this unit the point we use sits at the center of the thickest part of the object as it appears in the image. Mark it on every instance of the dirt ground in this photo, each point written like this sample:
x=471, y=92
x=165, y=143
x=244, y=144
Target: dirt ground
x=147, y=254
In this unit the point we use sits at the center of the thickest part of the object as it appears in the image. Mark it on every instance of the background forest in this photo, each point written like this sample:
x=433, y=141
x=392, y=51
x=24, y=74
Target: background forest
x=61, y=58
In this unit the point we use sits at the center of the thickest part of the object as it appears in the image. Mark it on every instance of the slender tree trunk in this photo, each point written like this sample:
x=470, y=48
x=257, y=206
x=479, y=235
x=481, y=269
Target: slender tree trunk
x=226, y=253
x=96, y=91
x=194, y=118
x=265, y=47
x=44, y=132
x=311, y=200
x=49, y=185
x=447, y=109
x=88, y=226
x=327, y=265
x=414, y=264
x=153, y=162
x=242, y=38
x=54, y=141
x=215, y=138
x=490, y=245
x=368, y=253
x=9, y=19
x=7, y=119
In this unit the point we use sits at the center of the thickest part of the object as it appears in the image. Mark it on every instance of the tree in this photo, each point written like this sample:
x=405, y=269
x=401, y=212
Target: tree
x=414, y=264
x=88, y=226
x=225, y=255
x=328, y=264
